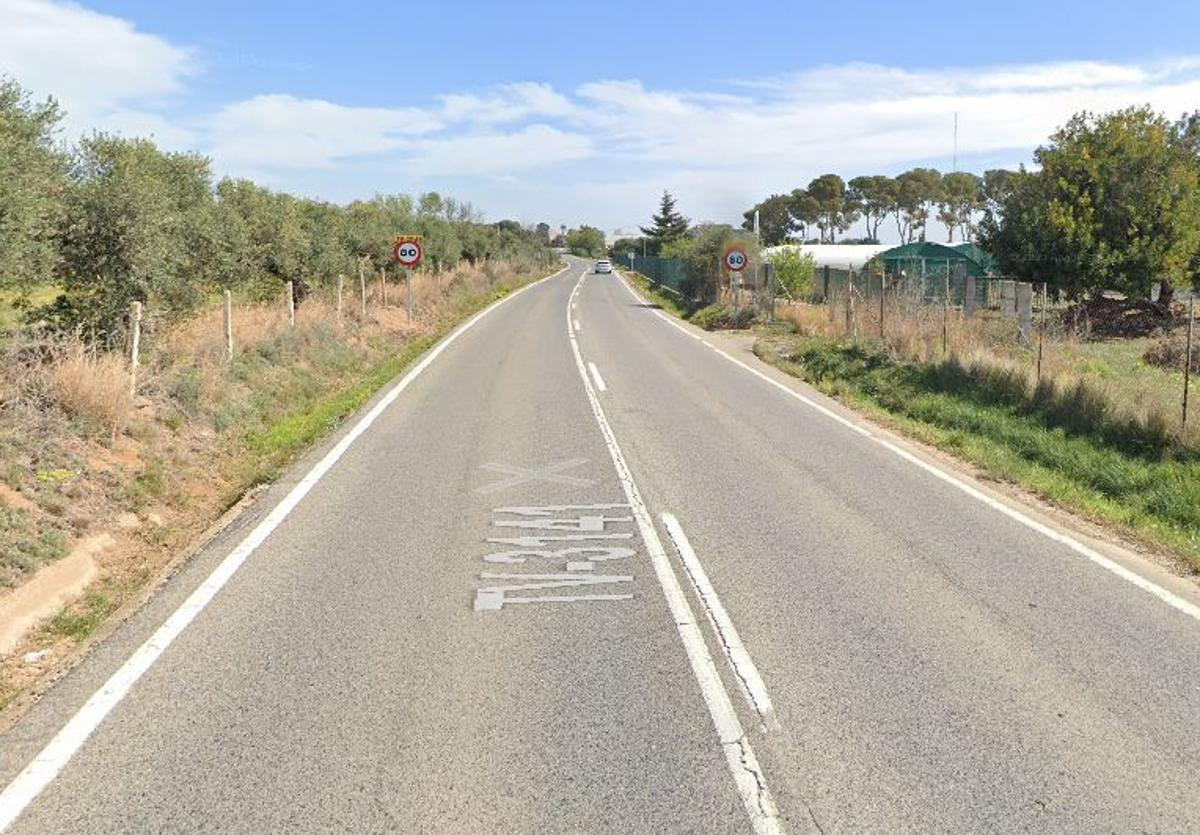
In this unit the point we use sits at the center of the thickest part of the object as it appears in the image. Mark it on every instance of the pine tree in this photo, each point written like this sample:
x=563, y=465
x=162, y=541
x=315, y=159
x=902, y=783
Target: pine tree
x=669, y=225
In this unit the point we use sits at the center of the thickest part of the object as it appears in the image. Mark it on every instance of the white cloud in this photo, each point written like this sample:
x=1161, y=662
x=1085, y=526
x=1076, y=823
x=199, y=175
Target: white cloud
x=506, y=103
x=598, y=152
x=535, y=146
x=284, y=132
x=104, y=72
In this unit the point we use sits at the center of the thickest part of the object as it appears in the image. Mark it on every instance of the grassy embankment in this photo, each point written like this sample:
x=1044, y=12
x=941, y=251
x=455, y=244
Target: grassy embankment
x=83, y=456
x=1098, y=435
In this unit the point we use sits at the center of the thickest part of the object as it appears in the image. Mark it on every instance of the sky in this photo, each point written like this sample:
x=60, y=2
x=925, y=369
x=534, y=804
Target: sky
x=578, y=113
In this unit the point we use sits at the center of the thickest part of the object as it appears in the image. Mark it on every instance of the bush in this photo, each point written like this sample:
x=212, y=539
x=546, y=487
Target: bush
x=795, y=271
x=1170, y=351
x=723, y=317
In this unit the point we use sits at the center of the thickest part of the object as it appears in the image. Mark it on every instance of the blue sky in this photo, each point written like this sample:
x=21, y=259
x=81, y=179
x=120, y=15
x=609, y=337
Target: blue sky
x=583, y=112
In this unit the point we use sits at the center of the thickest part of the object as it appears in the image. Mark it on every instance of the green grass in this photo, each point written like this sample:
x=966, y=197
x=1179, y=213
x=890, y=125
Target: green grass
x=11, y=316
x=674, y=305
x=1064, y=445
x=82, y=618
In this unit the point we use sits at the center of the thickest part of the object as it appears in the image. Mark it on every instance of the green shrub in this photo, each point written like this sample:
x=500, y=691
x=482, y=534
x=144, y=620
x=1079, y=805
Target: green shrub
x=723, y=317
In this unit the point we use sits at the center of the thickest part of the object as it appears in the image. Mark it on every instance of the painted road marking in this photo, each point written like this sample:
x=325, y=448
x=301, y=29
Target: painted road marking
x=577, y=561
x=1171, y=599
x=596, y=376
x=539, y=541
x=744, y=669
x=739, y=756
x=523, y=475
x=577, y=325
x=493, y=598
x=58, y=752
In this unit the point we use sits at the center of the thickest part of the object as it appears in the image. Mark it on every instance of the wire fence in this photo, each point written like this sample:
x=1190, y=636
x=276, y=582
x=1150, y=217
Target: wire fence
x=1136, y=356
x=671, y=273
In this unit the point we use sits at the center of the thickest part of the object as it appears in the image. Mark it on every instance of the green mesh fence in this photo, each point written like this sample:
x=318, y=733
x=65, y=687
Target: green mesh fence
x=667, y=272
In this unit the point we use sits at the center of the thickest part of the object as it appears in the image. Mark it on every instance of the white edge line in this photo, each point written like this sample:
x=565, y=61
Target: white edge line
x=739, y=756
x=596, y=375
x=577, y=326
x=39, y=773
x=744, y=669
x=1108, y=564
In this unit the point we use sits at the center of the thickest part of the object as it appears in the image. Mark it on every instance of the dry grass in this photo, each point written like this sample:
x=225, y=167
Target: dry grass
x=1111, y=372
x=94, y=387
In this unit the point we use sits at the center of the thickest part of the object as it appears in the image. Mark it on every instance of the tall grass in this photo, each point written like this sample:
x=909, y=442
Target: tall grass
x=1128, y=406
x=94, y=387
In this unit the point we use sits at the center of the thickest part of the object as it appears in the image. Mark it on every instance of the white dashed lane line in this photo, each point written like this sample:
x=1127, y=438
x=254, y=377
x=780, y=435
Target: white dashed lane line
x=596, y=376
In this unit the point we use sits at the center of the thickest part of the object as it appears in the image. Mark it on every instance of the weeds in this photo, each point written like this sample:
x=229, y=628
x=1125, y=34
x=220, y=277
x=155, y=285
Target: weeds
x=723, y=317
x=24, y=547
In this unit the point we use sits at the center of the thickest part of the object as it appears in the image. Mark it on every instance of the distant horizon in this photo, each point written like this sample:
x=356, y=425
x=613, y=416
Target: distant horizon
x=558, y=133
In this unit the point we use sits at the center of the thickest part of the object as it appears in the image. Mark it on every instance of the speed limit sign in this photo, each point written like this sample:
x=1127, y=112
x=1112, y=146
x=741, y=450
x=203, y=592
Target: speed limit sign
x=407, y=250
x=735, y=258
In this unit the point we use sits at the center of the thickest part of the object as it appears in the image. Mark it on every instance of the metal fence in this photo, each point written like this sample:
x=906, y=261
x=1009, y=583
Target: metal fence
x=950, y=285
x=666, y=272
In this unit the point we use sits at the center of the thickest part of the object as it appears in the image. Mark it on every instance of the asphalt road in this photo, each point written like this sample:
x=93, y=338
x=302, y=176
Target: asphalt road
x=477, y=619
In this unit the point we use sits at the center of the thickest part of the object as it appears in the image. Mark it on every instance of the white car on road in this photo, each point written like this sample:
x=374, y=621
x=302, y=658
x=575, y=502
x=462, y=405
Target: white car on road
x=602, y=266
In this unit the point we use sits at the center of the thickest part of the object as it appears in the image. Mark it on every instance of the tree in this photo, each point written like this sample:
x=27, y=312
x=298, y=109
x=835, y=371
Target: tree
x=916, y=192
x=32, y=182
x=775, y=220
x=805, y=211
x=586, y=240
x=669, y=225
x=1115, y=205
x=834, y=212
x=702, y=250
x=140, y=226
x=960, y=200
x=875, y=196
x=623, y=247
x=997, y=183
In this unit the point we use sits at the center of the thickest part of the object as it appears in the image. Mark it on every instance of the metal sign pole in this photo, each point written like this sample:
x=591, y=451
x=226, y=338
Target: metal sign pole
x=408, y=291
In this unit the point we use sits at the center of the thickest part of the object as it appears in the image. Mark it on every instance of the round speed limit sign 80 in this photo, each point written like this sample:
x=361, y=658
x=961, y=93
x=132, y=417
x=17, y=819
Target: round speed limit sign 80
x=407, y=252
x=735, y=259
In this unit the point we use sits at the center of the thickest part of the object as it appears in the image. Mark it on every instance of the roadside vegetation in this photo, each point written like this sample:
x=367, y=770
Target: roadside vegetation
x=89, y=456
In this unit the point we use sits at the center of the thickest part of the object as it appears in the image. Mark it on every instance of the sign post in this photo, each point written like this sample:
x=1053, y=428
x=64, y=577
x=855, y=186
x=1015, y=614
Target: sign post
x=735, y=260
x=407, y=251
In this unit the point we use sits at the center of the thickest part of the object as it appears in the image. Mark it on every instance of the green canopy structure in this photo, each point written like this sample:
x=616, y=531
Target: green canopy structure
x=980, y=257
x=925, y=259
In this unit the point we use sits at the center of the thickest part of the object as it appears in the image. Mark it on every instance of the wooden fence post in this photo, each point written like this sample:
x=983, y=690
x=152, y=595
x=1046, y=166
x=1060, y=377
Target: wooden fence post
x=882, y=300
x=291, y=305
x=362, y=290
x=850, y=329
x=946, y=311
x=135, y=343
x=1041, y=332
x=340, y=280
x=228, y=326
x=382, y=288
